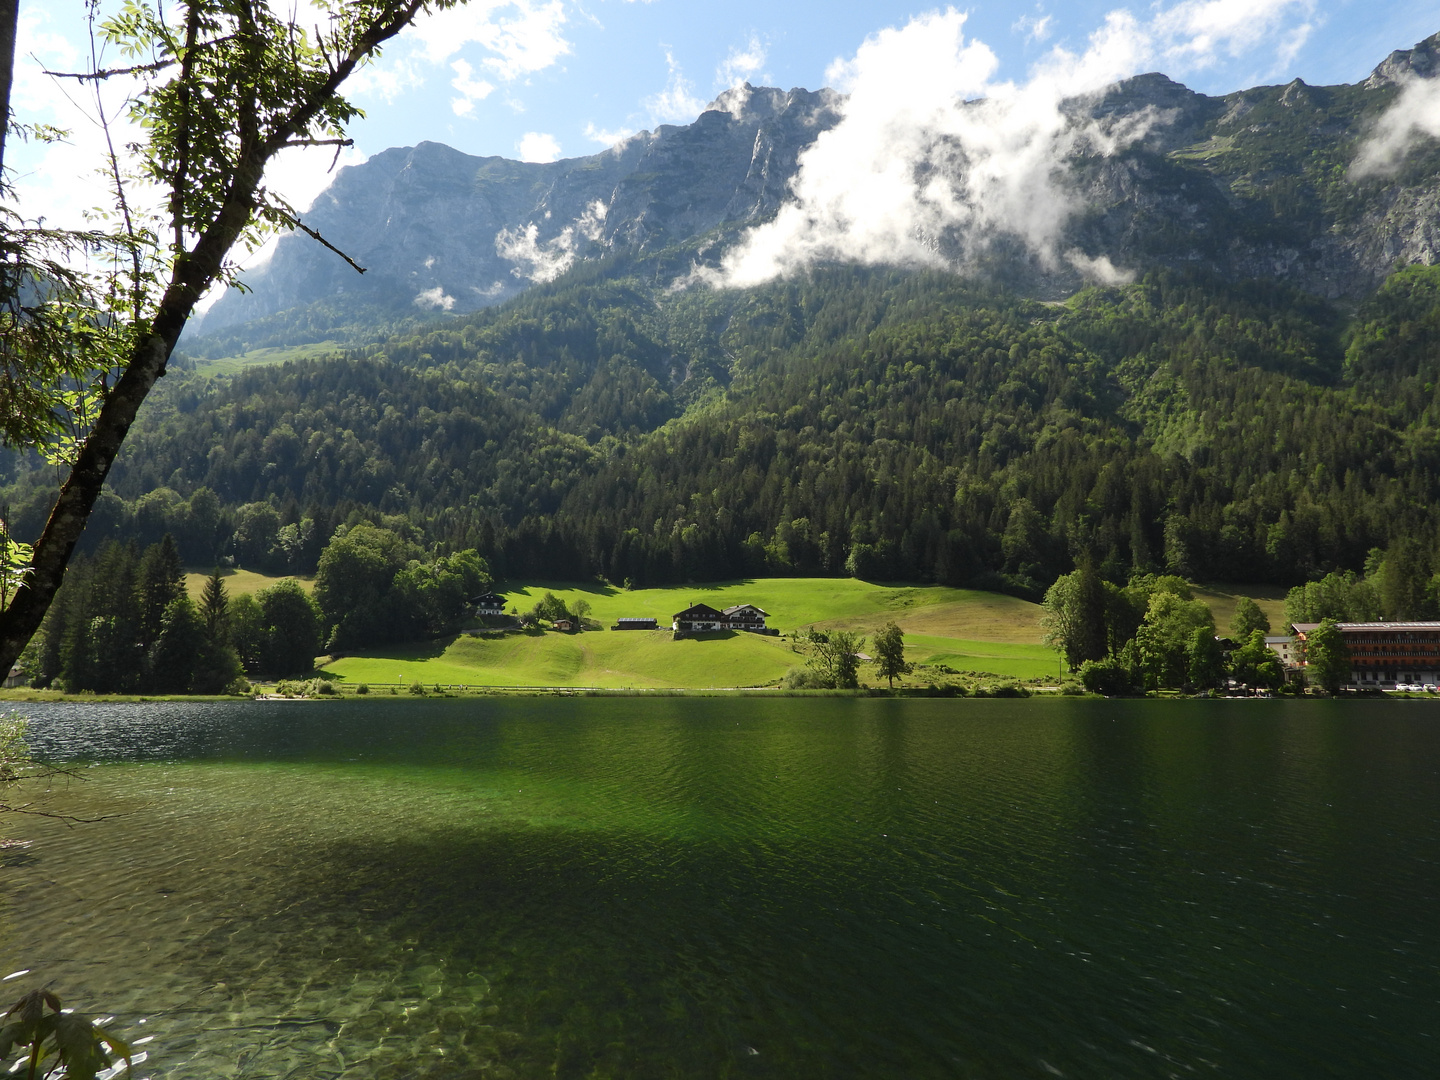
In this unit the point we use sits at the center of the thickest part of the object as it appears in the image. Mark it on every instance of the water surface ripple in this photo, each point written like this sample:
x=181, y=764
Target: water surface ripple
x=735, y=888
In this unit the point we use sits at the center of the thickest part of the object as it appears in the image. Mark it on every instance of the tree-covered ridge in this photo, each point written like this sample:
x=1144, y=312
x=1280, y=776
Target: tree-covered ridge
x=883, y=423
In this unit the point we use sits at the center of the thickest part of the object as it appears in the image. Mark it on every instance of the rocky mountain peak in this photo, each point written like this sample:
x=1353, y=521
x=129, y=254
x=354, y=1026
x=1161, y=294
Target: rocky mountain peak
x=1423, y=61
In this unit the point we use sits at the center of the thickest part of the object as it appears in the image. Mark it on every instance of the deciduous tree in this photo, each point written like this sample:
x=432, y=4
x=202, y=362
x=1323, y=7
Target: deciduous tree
x=220, y=87
x=1327, y=660
x=1248, y=618
x=890, y=653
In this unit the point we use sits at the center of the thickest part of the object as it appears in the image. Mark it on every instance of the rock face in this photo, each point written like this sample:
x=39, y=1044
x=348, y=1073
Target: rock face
x=1253, y=184
x=440, y=228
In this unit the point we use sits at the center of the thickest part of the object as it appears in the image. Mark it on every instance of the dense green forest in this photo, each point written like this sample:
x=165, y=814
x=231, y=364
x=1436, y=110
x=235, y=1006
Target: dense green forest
x=887, y=424
x=122, y=622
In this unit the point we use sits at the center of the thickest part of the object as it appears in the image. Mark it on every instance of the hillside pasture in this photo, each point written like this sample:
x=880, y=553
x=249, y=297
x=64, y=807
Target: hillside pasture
x=824, y=603
x=644, y=659
x=1221, y=600
x=233, y=365
x=238, y=582
x=961, y=629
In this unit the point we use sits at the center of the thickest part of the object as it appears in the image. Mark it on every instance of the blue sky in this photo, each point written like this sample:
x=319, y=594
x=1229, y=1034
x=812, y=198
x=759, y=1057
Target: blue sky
x=540, y=79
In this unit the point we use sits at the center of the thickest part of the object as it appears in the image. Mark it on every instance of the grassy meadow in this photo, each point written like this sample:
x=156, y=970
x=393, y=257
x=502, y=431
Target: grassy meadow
x=949, y=633
x=961, y=629
x=237, y=582
x=1221, y=601
x=232, y=365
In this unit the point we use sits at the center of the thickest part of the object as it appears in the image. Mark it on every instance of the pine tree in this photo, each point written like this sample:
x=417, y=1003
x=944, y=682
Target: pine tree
x=215, y=608
x=162, y=580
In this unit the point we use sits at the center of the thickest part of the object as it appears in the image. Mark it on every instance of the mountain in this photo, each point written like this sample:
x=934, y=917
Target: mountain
x=438, y=229
x=1262, y=402
x=1254, y=184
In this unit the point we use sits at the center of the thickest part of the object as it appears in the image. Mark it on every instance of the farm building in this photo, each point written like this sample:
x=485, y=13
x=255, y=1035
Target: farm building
x=697, y=619
x=636, y=624
x=489, y=604
x=745, y=617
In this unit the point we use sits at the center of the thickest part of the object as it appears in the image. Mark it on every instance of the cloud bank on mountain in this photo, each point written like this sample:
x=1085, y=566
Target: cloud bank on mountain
x=935, y=157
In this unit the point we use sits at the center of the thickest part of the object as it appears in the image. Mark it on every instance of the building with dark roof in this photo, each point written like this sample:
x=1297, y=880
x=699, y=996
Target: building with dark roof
x=697, y=619
x=489, y=604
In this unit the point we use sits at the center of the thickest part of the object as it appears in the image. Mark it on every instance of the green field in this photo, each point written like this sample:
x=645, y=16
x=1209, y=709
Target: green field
x=962, y=629
x=237, y=582
x=975, y=634
x=1221, y=601
x=830, y=603
x=230, y=365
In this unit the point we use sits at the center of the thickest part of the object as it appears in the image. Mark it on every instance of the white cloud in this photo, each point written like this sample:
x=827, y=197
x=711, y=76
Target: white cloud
x=538, y=146
x=934, y=158
x=521, y=36
x=1199, y=33
x=677, y=103
x=514, y=39
x=609, y=138
x=1033, y=27
x=543, y=261
x=434, y=299
x=471, y=89
x=744, y=63
x=1413, y=114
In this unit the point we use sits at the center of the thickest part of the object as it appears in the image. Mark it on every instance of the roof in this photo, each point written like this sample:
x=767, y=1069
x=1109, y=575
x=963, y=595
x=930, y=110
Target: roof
x=697, y=611
x=738, y=608
x=491, y=597
x=637, y=618
x=1390, y=626
x=1306, y=627
x=1278, y=639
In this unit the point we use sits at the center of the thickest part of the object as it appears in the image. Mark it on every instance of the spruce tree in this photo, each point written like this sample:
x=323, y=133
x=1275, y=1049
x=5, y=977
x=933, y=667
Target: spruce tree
x=215, y=608
x=162, y=580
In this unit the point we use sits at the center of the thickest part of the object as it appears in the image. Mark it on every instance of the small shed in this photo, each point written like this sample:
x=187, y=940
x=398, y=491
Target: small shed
x=562, y=624
x=636, y=624
x=17, y=677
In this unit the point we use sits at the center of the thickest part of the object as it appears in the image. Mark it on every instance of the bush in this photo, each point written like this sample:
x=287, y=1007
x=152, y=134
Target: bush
x=1007, y=690
x=416, y=688
x=1108, y=677
x=805, y=678
x=363, y=688
x=325, y=688
x=238, y=686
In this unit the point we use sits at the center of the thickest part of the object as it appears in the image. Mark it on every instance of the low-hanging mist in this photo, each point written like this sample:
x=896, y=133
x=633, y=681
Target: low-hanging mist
x=934, y=157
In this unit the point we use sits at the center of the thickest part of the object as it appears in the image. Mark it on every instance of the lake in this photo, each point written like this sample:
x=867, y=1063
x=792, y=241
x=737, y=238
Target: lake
x=692, y=887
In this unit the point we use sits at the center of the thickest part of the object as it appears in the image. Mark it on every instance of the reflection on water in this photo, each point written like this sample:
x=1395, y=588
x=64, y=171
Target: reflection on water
x=777, y=888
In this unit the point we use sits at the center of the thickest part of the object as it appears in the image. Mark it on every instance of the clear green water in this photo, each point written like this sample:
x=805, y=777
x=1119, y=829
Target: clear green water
x=786, y=888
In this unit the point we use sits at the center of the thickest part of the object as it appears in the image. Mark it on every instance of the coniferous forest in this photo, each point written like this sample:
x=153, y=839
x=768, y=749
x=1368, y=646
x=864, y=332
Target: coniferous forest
x=884, y=424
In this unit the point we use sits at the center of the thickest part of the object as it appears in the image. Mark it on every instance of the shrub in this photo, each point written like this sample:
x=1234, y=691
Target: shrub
x=1108, y=677
x=363, y=688
x=805, y=678
x=1008, y=690
x=417, y=688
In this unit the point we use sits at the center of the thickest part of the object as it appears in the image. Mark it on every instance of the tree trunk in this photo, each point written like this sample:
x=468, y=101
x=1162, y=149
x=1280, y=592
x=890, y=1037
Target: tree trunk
x=9, y=19
x=191, y=276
